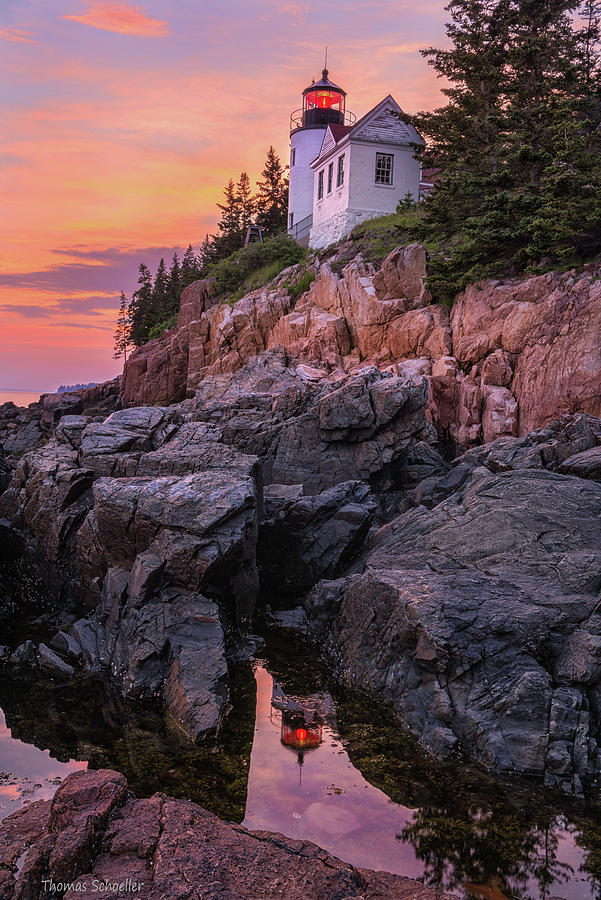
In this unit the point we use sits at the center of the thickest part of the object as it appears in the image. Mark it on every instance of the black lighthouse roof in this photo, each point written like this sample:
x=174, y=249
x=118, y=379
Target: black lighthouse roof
x=324, y=85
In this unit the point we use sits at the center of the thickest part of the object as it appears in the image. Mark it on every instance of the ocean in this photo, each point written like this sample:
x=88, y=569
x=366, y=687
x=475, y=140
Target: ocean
x=20, y=398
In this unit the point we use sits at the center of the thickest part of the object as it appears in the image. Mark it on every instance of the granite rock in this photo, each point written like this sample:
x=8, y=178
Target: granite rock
x=476, y=618
x=95, y=833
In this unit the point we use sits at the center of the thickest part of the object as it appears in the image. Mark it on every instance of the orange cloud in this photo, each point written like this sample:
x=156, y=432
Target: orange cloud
x=121, y=19
x=17, y=36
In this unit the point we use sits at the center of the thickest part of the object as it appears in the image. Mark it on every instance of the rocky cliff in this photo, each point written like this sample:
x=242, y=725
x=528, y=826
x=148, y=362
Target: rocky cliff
x=476, y=614
x=510, y=356
x=151, y=516
x=298, y=448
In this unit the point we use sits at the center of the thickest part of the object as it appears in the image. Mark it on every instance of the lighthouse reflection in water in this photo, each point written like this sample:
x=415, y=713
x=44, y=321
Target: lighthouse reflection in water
x=302, y=721
x=302, y=784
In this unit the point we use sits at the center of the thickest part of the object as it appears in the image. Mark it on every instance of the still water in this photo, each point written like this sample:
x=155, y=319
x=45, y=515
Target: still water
x=28, y=773
x=300, y=758
x=318, y=795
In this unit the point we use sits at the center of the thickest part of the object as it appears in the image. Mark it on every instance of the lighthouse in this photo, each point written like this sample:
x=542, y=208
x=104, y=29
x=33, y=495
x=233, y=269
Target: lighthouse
x=324, y=104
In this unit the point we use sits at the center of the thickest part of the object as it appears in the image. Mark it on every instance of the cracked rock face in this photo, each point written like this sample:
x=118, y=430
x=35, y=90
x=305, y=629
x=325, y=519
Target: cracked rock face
x=479, y=621
x=157, y=530
x=511, y=356
x=152, y=516
x=316, y=433
x=94, y=831
x=303, y=539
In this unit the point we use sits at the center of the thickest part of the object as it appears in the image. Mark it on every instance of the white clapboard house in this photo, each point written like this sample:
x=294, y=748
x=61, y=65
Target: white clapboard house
x=344, y=171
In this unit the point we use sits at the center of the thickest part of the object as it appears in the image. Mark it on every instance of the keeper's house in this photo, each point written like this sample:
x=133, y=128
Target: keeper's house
x=344, y=171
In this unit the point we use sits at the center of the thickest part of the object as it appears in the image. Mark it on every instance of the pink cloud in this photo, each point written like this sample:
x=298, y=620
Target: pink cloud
x=121, y=19
x=298, y=11
x=17, y=36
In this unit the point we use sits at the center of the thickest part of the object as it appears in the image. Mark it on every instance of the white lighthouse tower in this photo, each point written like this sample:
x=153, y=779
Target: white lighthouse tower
x=324, y=103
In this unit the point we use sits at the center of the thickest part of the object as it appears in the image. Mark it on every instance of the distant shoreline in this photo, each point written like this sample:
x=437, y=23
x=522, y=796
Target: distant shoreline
x=20, y=397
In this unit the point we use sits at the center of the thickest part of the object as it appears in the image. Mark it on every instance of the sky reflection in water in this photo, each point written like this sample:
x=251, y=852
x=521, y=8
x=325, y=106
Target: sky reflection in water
x=327, y=801
x=27, y=773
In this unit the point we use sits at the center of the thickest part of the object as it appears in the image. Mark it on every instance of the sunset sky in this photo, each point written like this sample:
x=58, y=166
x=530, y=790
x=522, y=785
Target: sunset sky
x=121, y=124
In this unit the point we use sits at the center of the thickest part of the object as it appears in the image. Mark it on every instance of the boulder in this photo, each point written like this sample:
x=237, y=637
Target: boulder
x=66, y=645
x=24, y=655
x=473, y=617
x=303, y=539
x=586, y=464
x=403, y=275
x=95, y=837
x=52, y=663
x=199, y=528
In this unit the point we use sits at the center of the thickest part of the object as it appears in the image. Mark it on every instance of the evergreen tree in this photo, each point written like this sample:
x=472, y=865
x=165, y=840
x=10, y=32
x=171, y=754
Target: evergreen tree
x=516, y=72
x=272, y=197
x=122, y=331
x=191, y=268
x=158, y=311
x=206, y=253
x=140, y=307
x=566, y=226
x=246, y=203
x=230, y=237
x=591, y=36
x=174, y=288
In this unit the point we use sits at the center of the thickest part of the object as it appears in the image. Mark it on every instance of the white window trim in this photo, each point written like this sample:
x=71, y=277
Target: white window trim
x=383, y=184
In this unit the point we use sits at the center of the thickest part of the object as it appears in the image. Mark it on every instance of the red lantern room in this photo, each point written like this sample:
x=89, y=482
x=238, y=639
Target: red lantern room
x=323, y=103
x=301, y=731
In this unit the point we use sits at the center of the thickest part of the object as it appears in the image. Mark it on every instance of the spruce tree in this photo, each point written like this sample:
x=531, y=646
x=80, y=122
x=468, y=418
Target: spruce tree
x=122, y=340
x=516, y=73
x=246, y=204
x=191, y=269
x=159, y=309
x=230, y=237
x=591, y=36
x=206, y=253
x=272, y=197
x=174, y=288
x=140, y=306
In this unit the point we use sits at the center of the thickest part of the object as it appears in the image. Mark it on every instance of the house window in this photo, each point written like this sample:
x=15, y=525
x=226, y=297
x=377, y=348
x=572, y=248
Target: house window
x=320, y=185
x=330, y=177
x=340, y=176
x=384, y=168
x=293, y=158
x=291, y=217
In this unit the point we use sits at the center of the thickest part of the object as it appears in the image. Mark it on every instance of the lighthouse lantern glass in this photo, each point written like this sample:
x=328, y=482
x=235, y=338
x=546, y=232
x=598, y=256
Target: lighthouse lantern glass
x=324, y=99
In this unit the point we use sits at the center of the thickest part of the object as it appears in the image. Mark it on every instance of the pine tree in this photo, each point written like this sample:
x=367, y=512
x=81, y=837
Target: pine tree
x=122, y=331
x=191, y=269
x=515, y=69
x=140, y=307
x=174, y=288
x=230, y=237
x=246, y=203
x=272, y=197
